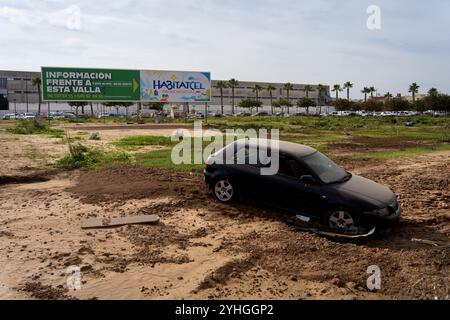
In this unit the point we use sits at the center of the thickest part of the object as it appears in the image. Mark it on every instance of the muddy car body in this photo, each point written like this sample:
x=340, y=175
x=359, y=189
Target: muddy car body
x=307, y=184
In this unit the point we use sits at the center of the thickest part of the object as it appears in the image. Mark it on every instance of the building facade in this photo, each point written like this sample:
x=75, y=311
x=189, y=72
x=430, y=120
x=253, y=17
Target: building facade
x=17, y=87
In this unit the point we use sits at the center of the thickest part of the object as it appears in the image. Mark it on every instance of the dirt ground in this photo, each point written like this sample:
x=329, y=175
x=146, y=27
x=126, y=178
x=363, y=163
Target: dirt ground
x=202, y=249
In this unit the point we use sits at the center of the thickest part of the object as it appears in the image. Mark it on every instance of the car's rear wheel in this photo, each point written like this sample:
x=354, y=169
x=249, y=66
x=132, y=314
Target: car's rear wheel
x=223, y=190
x=341, y=219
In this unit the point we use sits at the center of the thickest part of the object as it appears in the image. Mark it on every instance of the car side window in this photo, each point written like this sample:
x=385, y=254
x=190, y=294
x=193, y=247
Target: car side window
x=249, y=156
x=290, y=167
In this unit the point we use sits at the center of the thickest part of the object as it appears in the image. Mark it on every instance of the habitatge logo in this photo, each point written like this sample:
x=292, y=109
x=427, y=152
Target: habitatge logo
x=171, y=85
x=250, y=147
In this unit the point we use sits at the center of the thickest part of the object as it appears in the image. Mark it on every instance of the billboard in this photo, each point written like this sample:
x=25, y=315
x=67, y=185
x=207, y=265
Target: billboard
x=87, y=84
x=175, y=86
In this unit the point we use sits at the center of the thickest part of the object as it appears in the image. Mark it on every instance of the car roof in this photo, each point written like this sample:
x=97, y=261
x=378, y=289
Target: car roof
x=295, y=150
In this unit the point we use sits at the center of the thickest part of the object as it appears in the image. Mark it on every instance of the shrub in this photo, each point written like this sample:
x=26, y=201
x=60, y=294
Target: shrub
x=95, y=136
x=34, y=127
x=82, y=157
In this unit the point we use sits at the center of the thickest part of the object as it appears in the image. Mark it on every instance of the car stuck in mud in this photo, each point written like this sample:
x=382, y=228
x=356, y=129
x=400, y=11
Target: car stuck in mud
x=307, y=184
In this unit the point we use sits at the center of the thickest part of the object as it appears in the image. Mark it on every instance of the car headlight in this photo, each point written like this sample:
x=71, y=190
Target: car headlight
x=381, y=212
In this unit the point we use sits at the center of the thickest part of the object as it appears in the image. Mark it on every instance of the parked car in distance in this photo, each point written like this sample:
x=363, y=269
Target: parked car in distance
x=261, y=114
x=243, y=114
x=27, y=116
x=103, y=115
x=307, y=184
x=10, y=116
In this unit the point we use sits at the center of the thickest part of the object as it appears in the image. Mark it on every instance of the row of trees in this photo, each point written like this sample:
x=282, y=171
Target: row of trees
x=413, y=89
x=117, y=105
x=282, y=103
x=433, y=101
x=257, y=89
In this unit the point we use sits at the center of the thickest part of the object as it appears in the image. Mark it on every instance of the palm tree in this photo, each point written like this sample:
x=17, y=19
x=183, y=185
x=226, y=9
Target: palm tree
x=348, y=85
x=308, y=89
x=270, y=88
x=221, y=85
x=321, y=88
x=372, y=90
x=232, y=83
x=288, y=87
x=433, y=92
x=366, y=91
x=414, y=88
x=337, y=88
x=257, y=89
x=388, y=96
x=37, y=82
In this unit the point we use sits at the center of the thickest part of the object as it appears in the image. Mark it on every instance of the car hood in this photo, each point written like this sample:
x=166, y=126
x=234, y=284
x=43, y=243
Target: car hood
x=367, y=189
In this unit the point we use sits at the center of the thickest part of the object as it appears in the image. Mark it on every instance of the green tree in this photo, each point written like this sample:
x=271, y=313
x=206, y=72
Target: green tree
x=306, y=103
x=321, y=89
x=372, y=105
x=414, y=89
x=433, y=92
x=256, y=90
x=398, y=104
x=288, y=87
x=439, y=102
x=37, y=82
x=308, y=89
x=221, y=85
x=270, y=88
x=285, y=103
x=372, y=90
x=342, y=105
x=76, y=105
x=337, y=88
x=366, y=91
x=277, y=104
x=388, y=96
x=347, y=86
x=250, y=104
x=233, y=83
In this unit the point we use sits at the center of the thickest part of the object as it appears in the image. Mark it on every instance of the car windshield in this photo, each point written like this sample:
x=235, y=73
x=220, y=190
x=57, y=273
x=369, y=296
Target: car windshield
x=325, y=169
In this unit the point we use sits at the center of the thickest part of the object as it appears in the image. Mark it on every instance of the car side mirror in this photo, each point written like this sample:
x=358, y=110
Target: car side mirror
x=308, y=179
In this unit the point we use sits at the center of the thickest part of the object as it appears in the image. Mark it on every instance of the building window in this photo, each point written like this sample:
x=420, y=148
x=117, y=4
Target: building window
x=3, y=83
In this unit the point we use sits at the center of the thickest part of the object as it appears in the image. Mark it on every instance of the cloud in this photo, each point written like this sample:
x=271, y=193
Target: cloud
x=268, y=40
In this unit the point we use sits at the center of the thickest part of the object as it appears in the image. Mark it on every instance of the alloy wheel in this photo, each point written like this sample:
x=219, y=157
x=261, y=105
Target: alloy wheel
x=223, y=190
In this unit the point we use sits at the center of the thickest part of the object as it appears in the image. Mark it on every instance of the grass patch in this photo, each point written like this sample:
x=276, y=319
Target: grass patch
x=140, y=141
x=407, y=153
x=35, y=127
x=162, y=159
x=83, y=157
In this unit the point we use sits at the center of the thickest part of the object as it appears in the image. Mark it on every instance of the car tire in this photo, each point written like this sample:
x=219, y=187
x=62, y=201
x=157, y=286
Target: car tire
x=340, y=219
x=223, y=190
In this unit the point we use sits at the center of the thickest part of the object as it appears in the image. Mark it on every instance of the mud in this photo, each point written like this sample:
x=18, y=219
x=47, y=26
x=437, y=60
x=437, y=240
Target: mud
x=202, y=249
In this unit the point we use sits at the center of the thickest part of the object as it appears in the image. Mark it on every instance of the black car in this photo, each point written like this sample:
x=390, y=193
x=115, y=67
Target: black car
x=307, y=184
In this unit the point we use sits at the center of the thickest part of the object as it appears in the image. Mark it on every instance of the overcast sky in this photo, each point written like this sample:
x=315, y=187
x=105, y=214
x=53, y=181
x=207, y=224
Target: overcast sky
x=304, y=41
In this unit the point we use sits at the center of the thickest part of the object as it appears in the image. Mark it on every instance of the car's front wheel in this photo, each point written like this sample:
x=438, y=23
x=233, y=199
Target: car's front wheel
x=223, y=190
x=341, y=219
